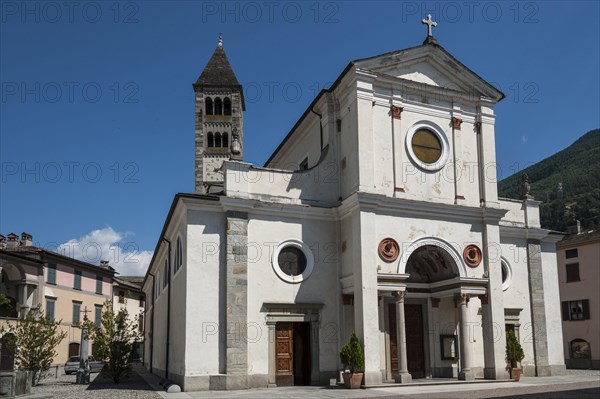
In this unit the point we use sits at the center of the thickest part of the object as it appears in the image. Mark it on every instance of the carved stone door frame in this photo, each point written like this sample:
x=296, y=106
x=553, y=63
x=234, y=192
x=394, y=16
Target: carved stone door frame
x=294, y=312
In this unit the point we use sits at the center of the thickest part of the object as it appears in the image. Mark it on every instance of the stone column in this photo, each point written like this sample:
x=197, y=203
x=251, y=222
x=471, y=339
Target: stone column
x=538, y=310
x=465, y=344
x=271, y=338
x=403, y=376
x=237, y=301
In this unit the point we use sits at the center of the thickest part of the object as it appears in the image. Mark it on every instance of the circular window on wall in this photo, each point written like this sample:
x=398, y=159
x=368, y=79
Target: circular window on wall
x=293, y=261
x=506, y=275
x=427, y=146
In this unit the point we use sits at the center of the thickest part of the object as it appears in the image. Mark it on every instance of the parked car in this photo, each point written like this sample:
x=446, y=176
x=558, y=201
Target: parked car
x=72, y=365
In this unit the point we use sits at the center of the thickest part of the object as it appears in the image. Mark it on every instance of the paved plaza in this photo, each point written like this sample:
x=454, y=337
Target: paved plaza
x=580, y=384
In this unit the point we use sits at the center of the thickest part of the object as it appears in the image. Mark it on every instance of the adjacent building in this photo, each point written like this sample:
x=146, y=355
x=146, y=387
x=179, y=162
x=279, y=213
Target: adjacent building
x=579, y=277
x=128, y=294
x=378, y=214
x=65, y=289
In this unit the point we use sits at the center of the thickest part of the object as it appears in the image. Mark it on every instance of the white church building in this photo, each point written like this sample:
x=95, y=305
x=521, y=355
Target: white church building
x=377, y=214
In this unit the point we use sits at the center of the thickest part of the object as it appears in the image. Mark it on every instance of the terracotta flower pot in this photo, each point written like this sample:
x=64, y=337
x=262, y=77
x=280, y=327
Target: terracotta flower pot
x=352, y=380
x=515, y=374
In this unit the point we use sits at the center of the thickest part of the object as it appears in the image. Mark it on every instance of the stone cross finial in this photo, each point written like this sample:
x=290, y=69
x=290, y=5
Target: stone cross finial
x=430, y=23
x=85, y=311
x=220, y=39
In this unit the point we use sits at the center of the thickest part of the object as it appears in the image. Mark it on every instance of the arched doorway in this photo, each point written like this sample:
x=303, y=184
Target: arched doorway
x=431, y=272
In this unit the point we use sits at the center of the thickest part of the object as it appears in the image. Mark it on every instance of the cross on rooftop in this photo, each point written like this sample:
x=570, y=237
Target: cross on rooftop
x=430, y=23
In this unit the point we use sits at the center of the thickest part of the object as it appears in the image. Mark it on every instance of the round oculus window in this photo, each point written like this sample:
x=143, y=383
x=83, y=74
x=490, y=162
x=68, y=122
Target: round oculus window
x=293, y=261
x=427, y=146
x=506, y=274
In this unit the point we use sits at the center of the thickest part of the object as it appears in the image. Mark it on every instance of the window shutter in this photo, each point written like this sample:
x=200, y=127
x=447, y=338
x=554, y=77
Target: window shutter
x=586, y=309
x=565, y=310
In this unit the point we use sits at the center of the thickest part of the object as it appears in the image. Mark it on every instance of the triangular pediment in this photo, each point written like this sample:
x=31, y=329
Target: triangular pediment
x=430, y=65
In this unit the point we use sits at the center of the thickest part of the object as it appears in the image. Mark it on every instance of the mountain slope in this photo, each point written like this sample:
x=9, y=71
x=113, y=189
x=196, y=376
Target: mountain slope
x=570, y=177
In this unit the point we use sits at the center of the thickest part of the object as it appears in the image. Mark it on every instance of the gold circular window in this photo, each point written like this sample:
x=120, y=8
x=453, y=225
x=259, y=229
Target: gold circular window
x=426, y=146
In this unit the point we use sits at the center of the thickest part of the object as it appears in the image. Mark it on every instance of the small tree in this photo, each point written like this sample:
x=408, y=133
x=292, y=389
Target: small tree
x=34, y=338
x=514, y=351
x=114, y=341
x=352, y=355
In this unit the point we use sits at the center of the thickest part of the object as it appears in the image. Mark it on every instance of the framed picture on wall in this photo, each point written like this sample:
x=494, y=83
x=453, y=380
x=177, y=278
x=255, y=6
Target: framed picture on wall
x=449, y=347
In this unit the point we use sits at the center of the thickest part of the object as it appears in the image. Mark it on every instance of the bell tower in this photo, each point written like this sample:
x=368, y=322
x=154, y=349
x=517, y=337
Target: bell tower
x=219, y=133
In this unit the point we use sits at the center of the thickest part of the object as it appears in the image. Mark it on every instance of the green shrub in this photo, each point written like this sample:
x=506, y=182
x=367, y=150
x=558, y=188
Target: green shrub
x=514, y=351
x=352, y=355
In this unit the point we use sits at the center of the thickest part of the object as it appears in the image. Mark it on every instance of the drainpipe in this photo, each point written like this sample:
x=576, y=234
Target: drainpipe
x=152, y=295
x=168, y=311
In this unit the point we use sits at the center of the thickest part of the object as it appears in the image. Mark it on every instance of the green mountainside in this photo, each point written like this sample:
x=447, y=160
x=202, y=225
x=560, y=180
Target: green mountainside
x=569, y=178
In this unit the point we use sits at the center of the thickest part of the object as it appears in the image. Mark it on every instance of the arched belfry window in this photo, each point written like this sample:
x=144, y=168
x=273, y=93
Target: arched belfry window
x=226, y=106
x=218, y=106
x=225, y=140
x=208, y=105
x=218, y=140
x=210, y=140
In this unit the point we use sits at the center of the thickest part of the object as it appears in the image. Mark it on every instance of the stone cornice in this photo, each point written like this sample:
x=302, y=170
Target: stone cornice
x=381, y=204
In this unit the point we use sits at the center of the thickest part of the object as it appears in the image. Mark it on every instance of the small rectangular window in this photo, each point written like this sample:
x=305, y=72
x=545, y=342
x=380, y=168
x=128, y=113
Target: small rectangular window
x=98, y=315
x=98, y=284
x=77, y=280
x=571, y=253
x=576, y=310
x=121, y=296
x=76, y=313
x=50, y=302
x=51, y=278
x=572, y=272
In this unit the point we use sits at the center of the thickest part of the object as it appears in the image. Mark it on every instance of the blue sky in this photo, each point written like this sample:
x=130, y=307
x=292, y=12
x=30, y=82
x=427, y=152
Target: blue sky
x=96, y=118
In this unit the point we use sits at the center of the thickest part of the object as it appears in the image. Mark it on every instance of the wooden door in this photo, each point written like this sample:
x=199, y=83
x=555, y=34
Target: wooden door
x=393, y=329
x=73, y=349
x=415, y=341
x=284, y=354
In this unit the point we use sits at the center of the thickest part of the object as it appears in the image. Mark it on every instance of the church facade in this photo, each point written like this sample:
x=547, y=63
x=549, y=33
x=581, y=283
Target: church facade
x=377, y=214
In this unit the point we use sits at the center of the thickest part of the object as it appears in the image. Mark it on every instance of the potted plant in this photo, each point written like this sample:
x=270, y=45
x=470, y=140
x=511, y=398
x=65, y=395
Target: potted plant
x=353, y=359
x=514, y=355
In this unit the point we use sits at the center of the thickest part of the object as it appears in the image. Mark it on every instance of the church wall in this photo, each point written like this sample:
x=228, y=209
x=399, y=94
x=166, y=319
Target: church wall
x=516, y=296
x=552, y=304
x=159, y=328
x=406, y=230
x=178, y=305
x=348, y=147
x=264, y=286
x=203, y=320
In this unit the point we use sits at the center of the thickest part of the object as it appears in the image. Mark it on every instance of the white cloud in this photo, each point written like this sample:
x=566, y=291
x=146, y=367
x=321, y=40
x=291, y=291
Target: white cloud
x=107, y=244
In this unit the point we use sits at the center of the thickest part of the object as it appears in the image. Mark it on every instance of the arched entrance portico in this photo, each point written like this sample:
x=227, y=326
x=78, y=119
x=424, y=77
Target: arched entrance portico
x=431, y=274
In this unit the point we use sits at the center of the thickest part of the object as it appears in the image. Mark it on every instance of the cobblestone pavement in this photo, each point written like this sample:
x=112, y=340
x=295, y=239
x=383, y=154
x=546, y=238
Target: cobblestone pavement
x=64, y=387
